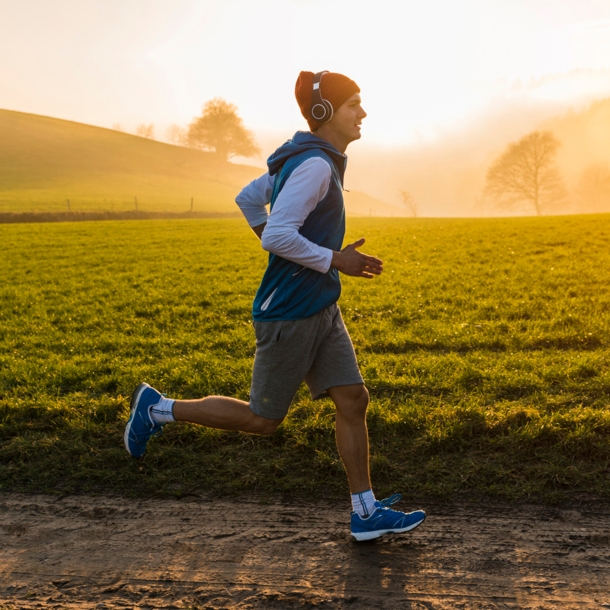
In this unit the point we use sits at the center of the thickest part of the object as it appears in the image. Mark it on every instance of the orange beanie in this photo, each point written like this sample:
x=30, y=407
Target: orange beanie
x=334, y=87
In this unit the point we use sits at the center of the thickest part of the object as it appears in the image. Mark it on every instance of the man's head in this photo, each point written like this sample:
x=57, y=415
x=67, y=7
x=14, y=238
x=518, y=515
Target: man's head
x=343, y=94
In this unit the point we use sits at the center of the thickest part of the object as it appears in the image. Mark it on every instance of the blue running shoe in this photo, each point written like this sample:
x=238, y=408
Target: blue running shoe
x=140, y=426
x=384, y=520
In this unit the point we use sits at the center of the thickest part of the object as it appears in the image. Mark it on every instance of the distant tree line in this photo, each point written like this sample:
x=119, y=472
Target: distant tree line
x=408, y=202
x=219, y=129
x=146, y=131
x=143, y=130
x=593, y=189
x=525, y=177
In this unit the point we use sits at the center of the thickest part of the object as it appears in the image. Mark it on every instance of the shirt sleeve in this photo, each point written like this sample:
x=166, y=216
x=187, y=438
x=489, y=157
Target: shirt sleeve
x=253, y=198
x=305, y=188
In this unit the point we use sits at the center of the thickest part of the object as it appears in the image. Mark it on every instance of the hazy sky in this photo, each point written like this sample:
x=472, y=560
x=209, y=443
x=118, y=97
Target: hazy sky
x=423, y=67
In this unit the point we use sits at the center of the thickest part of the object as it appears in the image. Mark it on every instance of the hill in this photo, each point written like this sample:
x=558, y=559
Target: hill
x=44, y=162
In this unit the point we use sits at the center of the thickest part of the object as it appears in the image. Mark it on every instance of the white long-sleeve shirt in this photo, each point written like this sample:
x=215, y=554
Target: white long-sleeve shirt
x=305, y=188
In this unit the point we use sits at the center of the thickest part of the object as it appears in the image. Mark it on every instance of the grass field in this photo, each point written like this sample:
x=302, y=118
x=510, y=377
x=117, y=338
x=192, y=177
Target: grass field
x=485, y=346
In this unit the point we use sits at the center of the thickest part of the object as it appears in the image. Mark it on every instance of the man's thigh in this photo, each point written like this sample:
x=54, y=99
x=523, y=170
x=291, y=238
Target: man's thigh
x=335, y=362
x=285, y=352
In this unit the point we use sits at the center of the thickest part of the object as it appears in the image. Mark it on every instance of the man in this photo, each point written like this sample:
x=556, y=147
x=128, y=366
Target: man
x=300, y=334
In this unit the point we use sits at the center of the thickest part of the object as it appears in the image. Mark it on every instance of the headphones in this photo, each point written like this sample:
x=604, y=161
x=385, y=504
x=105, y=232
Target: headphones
x=321, y=109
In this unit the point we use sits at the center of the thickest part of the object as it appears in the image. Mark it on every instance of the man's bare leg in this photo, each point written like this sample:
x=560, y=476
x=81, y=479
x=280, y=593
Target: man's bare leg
x=224, y=413
x=352, y=434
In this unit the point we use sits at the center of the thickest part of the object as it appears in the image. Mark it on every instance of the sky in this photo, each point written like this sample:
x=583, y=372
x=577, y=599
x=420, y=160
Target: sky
x=424, y=68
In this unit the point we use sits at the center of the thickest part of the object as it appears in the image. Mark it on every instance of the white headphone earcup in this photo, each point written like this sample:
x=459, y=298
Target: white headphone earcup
x=319, y=111
x=329, y=110
x=322, y=111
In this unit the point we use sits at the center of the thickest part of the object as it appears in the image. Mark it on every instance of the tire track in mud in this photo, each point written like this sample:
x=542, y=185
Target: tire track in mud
x=85, y=551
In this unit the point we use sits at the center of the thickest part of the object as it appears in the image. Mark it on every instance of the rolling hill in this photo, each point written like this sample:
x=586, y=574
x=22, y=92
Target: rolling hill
x=46, y=162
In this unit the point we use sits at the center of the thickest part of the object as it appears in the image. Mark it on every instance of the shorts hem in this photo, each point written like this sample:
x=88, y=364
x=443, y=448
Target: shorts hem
x=319, y=394
x=259, y=412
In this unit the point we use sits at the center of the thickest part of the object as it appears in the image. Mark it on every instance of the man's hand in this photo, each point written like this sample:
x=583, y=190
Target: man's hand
x=357, y=264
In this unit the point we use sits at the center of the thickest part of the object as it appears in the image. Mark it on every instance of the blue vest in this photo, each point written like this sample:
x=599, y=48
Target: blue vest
x=289, y=291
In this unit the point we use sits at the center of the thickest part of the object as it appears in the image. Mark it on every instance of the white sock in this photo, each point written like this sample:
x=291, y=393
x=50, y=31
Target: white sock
x=364, y=503
x=163, y=411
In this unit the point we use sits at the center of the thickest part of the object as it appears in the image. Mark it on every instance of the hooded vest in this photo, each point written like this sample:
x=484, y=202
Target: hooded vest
x=289, y=291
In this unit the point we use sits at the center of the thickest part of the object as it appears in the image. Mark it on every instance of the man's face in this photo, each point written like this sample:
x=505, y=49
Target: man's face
x=347, y=119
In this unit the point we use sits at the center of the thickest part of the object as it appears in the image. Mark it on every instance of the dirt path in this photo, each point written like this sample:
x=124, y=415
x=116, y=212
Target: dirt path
x=91, y=552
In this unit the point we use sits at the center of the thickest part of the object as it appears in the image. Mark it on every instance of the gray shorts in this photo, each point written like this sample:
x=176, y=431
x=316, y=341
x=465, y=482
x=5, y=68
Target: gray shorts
x=317, y=350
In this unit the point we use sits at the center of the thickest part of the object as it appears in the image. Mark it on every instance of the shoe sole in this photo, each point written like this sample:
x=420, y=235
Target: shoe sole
x=135, y=397
x=362, y=536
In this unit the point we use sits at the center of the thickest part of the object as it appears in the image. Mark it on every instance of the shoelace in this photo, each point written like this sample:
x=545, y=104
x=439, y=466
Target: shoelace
x=393, y=499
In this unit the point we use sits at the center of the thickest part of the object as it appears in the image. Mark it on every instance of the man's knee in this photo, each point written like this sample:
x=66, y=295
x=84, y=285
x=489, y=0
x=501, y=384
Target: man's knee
x=361, y=399
x=351, y=400
x=264, y=425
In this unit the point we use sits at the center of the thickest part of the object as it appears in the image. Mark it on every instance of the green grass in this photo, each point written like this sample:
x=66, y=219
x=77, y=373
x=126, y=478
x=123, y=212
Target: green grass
x=485, y=346
x=45, y=161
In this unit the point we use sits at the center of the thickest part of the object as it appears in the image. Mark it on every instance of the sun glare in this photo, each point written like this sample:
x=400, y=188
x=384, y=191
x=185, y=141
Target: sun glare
x=424, y=68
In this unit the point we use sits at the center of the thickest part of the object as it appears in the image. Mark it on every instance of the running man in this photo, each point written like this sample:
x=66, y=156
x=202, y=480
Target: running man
x=300, y=335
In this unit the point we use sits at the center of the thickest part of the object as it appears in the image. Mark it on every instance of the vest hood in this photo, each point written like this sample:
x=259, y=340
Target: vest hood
x=299, y=143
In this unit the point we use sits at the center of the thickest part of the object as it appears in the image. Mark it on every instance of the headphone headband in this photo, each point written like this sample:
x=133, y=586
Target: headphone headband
x=321, y=109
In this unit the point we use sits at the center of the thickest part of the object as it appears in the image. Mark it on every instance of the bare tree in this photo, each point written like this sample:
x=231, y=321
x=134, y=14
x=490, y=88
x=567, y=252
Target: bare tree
x=176, y=135
x=526, y=174
x=146, y=131
x=409, y=202
x=593, y=189
x=221, y=130
x=117, y=127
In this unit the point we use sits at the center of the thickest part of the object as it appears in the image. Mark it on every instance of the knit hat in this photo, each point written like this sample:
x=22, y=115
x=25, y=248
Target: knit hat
x=334, y=87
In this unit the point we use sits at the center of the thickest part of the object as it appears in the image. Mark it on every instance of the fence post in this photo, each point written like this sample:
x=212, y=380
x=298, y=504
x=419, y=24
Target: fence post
x=136, y=200
x=68, y=202
x=191, y=204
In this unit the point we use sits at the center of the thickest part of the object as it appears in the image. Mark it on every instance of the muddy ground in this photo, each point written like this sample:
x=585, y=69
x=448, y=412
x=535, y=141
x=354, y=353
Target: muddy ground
x=108, y=552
